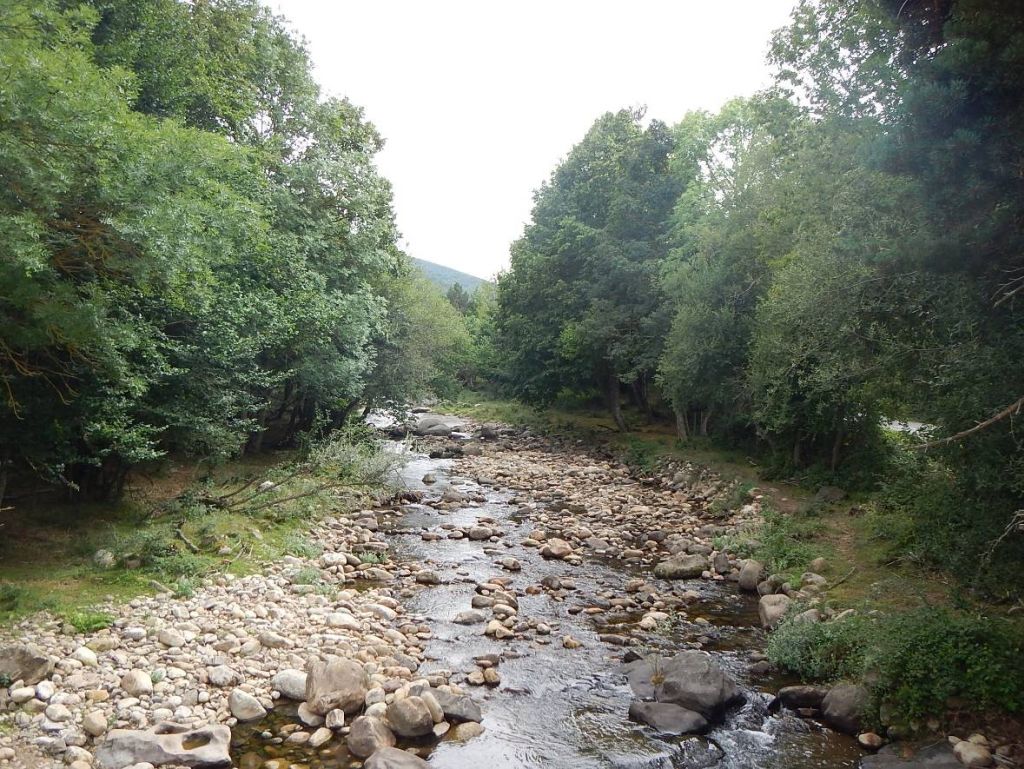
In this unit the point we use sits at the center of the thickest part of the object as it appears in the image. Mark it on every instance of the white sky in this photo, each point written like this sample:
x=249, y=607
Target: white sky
x=478, y=100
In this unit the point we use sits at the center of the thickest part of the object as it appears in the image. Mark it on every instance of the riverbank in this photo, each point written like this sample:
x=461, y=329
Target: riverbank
x=525, y=571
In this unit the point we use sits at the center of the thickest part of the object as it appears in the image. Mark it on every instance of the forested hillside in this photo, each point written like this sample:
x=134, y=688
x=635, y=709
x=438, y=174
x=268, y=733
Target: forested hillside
x=446, y=277
x=198, y=253
x=785, y=274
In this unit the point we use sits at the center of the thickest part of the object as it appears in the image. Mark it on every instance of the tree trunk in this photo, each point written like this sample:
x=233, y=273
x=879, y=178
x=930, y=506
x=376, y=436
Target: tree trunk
x=796, y=451
x=681, y=431
x=643, y=402
x=837, y=444
x=705, y=418
x=5, y=460
x=614, y=404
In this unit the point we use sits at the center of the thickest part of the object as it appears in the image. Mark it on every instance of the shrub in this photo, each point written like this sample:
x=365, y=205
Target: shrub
x=928, y=513
x=86, y=621
x=784, y=541
x=917, y=662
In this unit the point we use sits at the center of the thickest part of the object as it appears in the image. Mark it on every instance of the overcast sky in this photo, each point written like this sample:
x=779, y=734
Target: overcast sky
x=478, y=100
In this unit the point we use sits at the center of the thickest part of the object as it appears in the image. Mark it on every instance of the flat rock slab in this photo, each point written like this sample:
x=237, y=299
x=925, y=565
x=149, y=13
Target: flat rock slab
x=667, y=719
x=166, y=743
x=938, y=756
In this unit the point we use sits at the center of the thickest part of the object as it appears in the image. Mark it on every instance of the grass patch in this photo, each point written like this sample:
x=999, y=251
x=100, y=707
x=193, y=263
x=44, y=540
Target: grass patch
x=169, y=536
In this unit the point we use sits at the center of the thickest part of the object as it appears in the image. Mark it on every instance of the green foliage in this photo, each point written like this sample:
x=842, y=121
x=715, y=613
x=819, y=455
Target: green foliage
x=925, y=515
x=785, y=542
x=842, y=248
x=86, y=621
x=580, y=308
x=821, y=651
x=370, y=556
x=307, y=575
x=198, y=252
x=914, y=662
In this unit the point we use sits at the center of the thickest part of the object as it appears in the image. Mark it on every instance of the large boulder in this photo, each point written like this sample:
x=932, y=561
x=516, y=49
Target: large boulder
x=336, y=684
x=772, y=608
x=556, y=548
x=668, y=719
x=410, y=717
x=433, y=424
x=457, y=707
x=750, y=575
x=245, y=707
x=25, y=662
x=291, y=683
x=681, y=567
x=690, y=679
x=843, y=707
x=393, y=758
x=166, y=743
x=367, y=735
x=795, y=697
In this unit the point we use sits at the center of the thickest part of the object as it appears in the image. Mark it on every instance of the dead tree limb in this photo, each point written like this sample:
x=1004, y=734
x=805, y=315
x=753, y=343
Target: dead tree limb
x=1012, y=410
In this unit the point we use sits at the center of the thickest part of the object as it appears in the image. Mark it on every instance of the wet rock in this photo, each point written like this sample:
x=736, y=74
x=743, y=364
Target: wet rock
x=479, y=533
x=772, y=608
x=690, y=679
x=24, y=662
x=843, y=707
x=410, y=717
x=457, y=707
x=338, y=683
x=166, y=743
x=870, y=741
x=668, y=719
x=393, y=758
x=470, y=617
x=681, y=567
x=368, y=735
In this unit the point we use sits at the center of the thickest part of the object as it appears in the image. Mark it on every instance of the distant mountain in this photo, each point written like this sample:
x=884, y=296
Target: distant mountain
x=446, y=277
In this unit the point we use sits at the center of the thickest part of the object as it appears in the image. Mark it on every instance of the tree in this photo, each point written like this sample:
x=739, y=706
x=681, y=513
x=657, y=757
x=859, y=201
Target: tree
x=580, y=308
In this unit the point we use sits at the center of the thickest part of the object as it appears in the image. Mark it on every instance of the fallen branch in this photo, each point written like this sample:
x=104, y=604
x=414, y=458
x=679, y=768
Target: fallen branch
x=1012, y=410
x=838, y=582
x=188, y=543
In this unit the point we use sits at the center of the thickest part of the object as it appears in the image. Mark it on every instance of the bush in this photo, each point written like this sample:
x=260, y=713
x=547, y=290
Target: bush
x=784, y=544
x=918, y=662
x=821, y=651
x=926, y=514
x=85, y=621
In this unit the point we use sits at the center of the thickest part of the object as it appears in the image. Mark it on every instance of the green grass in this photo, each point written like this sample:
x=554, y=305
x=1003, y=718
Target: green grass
x=46, y=561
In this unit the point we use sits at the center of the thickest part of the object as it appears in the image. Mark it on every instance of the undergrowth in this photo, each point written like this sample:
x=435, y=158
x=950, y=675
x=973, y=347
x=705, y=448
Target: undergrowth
x=915, y=663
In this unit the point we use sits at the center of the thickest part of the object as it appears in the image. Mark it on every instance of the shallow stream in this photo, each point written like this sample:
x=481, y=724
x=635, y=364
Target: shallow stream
x=558, y=707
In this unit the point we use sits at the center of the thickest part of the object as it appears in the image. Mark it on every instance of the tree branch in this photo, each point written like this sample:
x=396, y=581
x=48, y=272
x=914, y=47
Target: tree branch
x=1012, y=410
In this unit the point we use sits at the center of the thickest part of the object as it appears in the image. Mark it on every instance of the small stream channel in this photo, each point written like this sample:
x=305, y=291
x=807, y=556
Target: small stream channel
x=558, y=707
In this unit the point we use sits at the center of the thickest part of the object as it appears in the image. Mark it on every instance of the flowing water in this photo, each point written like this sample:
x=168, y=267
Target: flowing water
x=558, y=707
